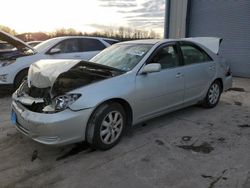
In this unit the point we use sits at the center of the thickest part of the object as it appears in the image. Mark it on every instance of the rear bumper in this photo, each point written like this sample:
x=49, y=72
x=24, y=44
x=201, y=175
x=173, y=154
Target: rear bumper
x=227, y=83
x=60, y=128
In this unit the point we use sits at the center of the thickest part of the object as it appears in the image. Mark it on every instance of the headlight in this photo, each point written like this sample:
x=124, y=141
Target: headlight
x=63, y=101
x=6, y=63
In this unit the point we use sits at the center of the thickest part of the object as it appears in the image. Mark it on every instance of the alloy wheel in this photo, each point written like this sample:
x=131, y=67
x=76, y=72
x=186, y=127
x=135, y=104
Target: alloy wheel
x=111, y=127
x=214, y=93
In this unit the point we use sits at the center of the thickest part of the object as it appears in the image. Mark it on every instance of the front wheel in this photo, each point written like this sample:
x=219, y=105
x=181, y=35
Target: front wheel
x=213, y=95
x=106, y=126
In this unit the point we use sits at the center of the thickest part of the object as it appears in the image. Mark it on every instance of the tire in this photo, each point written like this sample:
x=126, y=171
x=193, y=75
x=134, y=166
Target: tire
x=213, y=95
x=21, y=76
x=106, y=126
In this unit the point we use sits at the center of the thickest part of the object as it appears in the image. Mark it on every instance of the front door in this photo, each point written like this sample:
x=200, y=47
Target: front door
x=69, y=49
x=156, y=92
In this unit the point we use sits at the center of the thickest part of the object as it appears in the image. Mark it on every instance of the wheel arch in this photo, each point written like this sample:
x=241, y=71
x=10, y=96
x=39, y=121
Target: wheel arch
x=220, y=81
x=127, y=108
x=18, y=73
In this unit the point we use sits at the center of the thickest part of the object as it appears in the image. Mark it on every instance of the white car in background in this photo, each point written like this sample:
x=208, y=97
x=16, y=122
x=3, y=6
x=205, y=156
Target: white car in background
x=34, y=43
x=14, y=67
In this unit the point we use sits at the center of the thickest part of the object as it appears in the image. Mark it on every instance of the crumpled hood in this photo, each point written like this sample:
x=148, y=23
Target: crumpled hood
x=49, y=79
x=212, y=43
x=63, y=76
x=43, y=73
x=14, y=41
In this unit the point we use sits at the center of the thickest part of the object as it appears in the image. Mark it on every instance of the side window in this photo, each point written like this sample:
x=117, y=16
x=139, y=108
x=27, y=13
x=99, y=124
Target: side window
x=167, y=57
x=111, y=42
x=91, y=45
x=193, y=55
x=68, y=46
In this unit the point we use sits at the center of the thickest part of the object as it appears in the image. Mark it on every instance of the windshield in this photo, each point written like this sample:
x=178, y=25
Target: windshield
x=45, y=44
x=122, y=56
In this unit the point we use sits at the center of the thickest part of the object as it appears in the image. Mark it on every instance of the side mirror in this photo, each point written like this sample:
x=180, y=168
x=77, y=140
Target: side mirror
x=54, y=51
x=152, y=67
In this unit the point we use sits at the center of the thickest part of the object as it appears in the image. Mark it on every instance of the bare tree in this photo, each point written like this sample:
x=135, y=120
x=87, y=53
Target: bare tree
x=8, y=30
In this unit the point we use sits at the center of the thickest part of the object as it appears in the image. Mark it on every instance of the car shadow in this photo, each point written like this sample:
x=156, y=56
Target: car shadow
x=62, y=153
x=145, y=127
x=6, y=91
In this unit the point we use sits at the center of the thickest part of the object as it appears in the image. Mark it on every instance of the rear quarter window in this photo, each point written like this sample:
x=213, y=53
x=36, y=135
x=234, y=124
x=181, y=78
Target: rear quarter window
x=111, y=42
x=192, y=54
x=87, y=45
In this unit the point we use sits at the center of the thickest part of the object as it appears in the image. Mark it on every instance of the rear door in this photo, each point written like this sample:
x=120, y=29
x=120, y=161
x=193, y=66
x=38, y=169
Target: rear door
x=199, y=70
x=159, y=91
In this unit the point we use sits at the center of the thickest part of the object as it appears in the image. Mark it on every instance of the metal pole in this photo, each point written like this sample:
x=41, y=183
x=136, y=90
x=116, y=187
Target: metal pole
x=167, y=17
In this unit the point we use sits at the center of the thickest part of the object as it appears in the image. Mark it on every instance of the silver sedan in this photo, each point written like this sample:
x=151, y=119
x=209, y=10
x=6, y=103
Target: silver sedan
x=68, y=101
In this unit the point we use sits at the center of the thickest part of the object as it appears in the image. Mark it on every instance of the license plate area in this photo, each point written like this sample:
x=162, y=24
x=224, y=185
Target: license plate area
x=13, y=117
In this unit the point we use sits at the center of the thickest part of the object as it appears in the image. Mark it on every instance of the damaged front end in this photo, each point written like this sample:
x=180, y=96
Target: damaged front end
x=49, y=83
x=34, y=99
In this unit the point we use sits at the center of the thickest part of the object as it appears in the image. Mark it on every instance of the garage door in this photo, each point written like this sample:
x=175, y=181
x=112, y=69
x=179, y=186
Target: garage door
x=229, y=20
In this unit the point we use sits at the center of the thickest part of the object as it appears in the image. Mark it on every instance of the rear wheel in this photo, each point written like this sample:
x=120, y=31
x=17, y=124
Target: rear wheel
x=213, y=95
x=20, y=78
x=106, y=126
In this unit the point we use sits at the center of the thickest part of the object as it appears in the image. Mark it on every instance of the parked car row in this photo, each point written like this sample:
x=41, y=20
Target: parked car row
x=14, y=66
x=96, y=101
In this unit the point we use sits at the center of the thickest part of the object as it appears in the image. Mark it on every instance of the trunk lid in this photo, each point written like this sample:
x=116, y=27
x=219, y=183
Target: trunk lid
x=212, y=43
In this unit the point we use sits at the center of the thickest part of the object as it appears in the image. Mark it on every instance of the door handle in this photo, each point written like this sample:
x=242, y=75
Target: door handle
x=77, y=56
x=178, y=75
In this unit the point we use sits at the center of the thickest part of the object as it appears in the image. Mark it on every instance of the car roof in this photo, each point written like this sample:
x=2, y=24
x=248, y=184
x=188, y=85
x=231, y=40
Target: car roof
x=149, y=41
x=89, y=37
x=210, y=43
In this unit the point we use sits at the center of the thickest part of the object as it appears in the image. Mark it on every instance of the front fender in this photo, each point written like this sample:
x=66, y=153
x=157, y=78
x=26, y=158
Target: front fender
x=94, y=94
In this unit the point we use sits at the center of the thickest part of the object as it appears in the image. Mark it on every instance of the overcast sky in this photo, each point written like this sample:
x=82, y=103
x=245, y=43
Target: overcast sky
x=83, y=15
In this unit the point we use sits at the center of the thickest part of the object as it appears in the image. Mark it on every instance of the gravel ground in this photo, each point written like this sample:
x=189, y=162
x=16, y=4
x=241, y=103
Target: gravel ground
x=190, y=148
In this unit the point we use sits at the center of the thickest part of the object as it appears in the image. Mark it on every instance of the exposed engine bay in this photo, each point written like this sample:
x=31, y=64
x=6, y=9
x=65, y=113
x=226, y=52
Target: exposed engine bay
x=48, y=82
x=21, y=48
x=6, y=55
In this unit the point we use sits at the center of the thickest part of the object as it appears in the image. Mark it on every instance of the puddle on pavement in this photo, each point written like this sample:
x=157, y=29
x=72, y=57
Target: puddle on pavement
x=145, y=159
x=221, y=139
x=159, y=142
x=203, y=148
x=237, y=103
x=244, y=126
x=34, y=155
x=186, y=138
x=239, y=89
x=78, y=148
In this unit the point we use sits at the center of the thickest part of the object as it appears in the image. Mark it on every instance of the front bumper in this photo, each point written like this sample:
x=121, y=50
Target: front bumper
x=60, y=128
